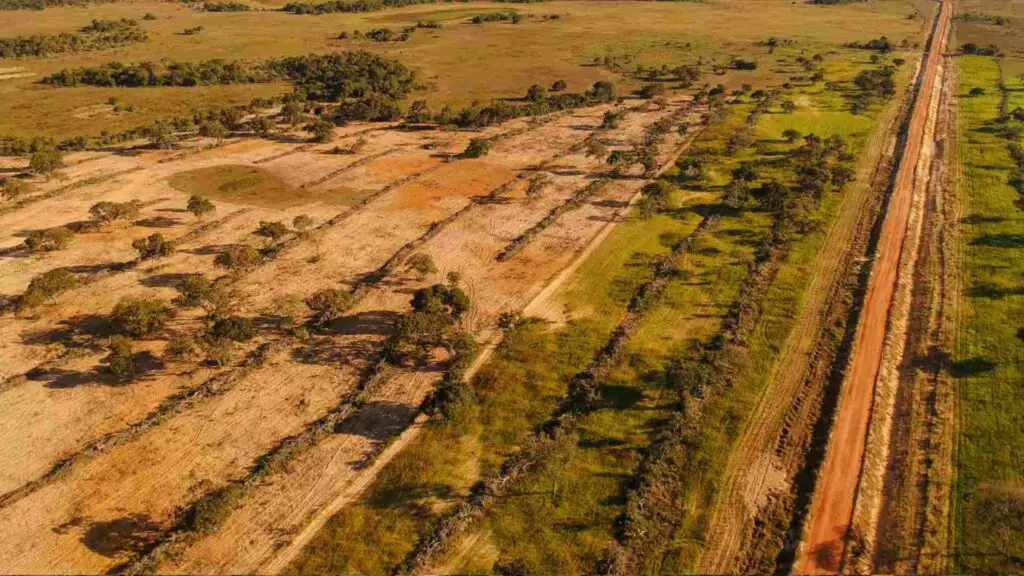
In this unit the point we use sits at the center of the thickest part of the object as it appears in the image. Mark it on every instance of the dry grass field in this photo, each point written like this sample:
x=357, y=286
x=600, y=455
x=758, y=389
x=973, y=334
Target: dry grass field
x=654, y=330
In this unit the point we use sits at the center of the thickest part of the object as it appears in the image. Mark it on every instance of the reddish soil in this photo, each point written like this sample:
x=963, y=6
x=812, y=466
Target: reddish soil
x=833, y=505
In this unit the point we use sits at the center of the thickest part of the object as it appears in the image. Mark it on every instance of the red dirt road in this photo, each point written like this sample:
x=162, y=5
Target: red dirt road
x=833, y=504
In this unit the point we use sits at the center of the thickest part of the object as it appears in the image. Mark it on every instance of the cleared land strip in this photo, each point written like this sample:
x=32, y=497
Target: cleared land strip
x=14, y=206
x=832, y=509
x=780, y=429
x=351, y=166
x=250, y=560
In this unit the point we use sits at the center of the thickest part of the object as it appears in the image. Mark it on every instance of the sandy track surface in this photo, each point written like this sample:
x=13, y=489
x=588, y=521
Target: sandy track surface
x=833, y=504
x=269, y=529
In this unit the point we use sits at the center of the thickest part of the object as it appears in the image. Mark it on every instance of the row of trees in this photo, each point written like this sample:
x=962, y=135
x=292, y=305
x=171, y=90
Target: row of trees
x=99, y=34
x=348, y=6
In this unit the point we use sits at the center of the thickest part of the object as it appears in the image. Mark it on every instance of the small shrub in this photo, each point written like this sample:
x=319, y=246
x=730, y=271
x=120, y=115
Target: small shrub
x=977, y=91
x=46, y=286
x=153, y=246
x=121, y=360
x=207, y=515
x=12, y=188
x=233, y=328
x=477, y=147
x=422, y=264
x=45, y=162
x=140, y=316
x=558, y=86
x=108, y=212
x=329, y=304
x=200, y=206
x=180, y=348
x=238, y=259
x=48, y=239
x=273, y=230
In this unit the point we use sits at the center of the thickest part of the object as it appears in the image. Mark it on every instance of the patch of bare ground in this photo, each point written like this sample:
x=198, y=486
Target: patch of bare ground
x=271, y=525
x=913, y=522
x=753, y=509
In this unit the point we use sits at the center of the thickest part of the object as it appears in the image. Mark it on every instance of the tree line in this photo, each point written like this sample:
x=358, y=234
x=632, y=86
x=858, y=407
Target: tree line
x=333, y=6
x=99, y=34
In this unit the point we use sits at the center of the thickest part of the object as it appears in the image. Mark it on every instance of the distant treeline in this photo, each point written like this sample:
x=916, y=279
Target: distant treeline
x=35, y=4
x=983, y=18
x=835, y=2
x=327, y=77
x=97, y=35
x=224, y=7
x=333, y=6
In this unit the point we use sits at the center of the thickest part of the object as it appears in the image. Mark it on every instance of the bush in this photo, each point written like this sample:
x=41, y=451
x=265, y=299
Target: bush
x=536, y=93
x=200, y=206
x=422, y=264
x=121, y=360
x=45, y=162
x=207, y=515
x=274, y=230
x=477, y=147
x=107, y=212
x=977, y=91
x=652, y=90
x=48, y=239
x=329, y=304
x=558, y=86
x=180, y=348
x=791, y=136
x=12, y=188
x=46, y=286
x=238, y=258
x=232, y=328
x=322, y=130
x=153, y=246
x=140, y=316
x=740, y=64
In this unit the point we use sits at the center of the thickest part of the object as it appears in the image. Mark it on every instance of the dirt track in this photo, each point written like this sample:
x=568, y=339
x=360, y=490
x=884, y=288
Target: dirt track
x=833, y=505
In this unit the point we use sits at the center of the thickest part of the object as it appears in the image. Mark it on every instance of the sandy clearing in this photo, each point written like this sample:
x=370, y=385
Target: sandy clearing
x=304, y=499
x=831, y=511
x=144, y=481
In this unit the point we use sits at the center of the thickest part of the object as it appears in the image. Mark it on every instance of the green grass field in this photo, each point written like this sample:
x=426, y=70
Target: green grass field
x=456, y=64
x=989, y=356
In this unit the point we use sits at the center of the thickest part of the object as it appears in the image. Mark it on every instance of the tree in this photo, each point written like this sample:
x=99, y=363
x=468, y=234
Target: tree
x=329, y=304
x=180, y=348
x=48, y=239
x=302, y=223
x=790, y=135
x=274, y=230
x=477, y=147
x=46, y=286
x=654, y=199
x=558, y=86
x=771, y=195
x=422, y=264
x=121, y=360
x=12, y=188
x=108, y=212
x=788, y=106
x=536, y=93
x=162, y=135
x=322, y=130
x=200, y=206
x=976, y=91
x=140, y=316
x=213, y=129
x=745, y=172
x=261, y=126
x=232, y=328
x=193, y=290
x=238, y=259
x=293, y=112
x=596, y=149
x=652, y=90
x=611, y=120
x=45, y=162
x=153, y=246
x=418, y=113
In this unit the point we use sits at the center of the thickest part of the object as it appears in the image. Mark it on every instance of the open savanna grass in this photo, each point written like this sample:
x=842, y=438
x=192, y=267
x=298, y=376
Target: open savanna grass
x=988, y=362
x=455, y=64
x=244, y=184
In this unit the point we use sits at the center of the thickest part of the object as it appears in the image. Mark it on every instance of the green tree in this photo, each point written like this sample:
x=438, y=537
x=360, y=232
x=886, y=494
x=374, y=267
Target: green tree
x=45, y=162
x=329, y=304
x=162, y=135
x=108, y=212
x=46, y=286
x=261, y=126
x=558, y=86
x=200, y=206
x=140, y=316
x=48, y=239
x=791, y=136
x=213, y=129
x=322, y=130
x=121, y=360
x=536, y=93
x=153, y=246
x=422, y=264
x=274, y=230
x=238, y=259
x=477, y=147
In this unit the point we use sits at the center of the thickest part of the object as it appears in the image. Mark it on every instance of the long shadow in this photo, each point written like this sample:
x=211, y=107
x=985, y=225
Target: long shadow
x=971, y=367
x=1000, y=240
x=375, y=322
x=128, y=535
x=981, y=219
x=169, y=280
x=158, y=222
x=993, y=292
x=325, y=351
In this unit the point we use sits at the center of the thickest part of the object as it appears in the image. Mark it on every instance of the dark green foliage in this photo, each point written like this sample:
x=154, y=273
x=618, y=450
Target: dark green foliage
x=46, y=286
x=772, y=195
x=536, y=93
x=971, y=48
x=238, y=258
x=450, y=300
x=329, y=304
x=334, y=77
x=121, y=360
x=430, y=325
x=880, y=44
x=741, y=64
x=349, y=6
x=558, y=86
x=651, y=90
x=976, y=91
x=97, y=35
x=492, y=17
x=274, y=230
x=225, y=7
x=153, y=246
x=232, y=328
x=200, y=206
x=791, y=136
x=206, y=72
x=48, y=239
x=654, y=200
x=477, y=147
x=193, y=291
x=213, y=509
x=140, y=316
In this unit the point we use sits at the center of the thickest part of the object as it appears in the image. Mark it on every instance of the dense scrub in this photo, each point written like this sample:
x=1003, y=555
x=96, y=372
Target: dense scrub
x=333, y=6
x=99, y=34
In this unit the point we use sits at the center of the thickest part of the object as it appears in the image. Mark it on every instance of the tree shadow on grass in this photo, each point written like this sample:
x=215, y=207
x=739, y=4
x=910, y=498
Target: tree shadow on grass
x=128, y=535
x=1000, y=241
x=971, y=367
x=993, y=292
